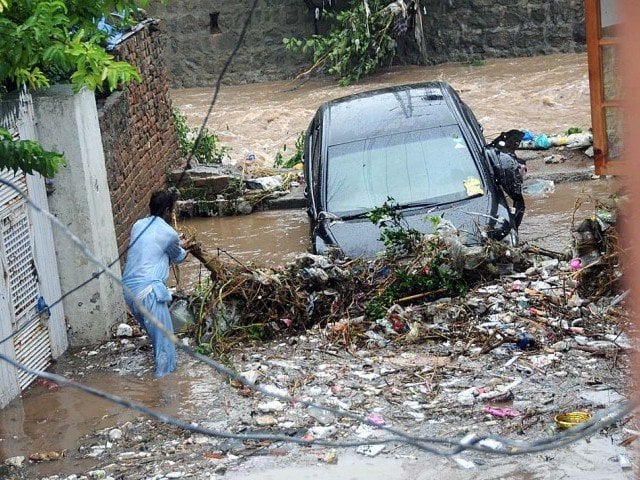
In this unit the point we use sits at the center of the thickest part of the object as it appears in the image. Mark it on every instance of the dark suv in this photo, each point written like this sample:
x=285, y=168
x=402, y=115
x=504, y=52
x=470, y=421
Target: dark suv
x=418, y=144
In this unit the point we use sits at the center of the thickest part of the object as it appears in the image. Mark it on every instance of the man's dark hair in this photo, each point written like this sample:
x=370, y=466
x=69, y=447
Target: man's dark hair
x=161, y=201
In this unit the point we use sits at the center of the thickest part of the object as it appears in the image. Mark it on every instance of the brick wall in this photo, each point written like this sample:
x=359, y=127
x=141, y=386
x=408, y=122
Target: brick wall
x=138, y=133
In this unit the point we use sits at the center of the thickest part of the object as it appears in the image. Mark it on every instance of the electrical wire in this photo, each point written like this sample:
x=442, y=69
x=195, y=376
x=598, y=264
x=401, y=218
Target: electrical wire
x=423, y=443
x=196, y=143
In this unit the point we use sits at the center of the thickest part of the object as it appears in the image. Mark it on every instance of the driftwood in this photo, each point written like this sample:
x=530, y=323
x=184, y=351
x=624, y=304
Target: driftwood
x=210, y=262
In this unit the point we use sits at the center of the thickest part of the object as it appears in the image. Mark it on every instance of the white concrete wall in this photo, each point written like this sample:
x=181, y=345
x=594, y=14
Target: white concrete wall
x=42, y=237
x=68, y=123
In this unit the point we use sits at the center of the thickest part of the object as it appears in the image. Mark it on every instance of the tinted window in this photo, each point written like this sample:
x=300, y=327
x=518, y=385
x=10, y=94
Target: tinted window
x=427, y=166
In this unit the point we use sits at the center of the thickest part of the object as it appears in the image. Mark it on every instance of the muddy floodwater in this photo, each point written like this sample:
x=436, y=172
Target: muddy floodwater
x=273, y=238
x=543, y=94
x=546, y=94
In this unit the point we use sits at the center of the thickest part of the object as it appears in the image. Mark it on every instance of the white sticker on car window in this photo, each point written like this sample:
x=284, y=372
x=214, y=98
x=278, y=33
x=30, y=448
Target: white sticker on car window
x=473, y=186
x=458, y=141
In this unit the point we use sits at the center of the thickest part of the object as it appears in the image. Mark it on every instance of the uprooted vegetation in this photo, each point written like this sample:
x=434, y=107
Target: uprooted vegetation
x=439, y=290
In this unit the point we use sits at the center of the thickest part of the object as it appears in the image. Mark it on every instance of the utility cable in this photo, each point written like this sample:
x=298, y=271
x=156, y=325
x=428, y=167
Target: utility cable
x=397, y=435
x=197, y=141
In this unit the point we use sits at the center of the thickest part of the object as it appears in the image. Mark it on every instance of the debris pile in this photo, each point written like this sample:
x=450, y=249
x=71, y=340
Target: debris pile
x=484, y=296
x=506, y=359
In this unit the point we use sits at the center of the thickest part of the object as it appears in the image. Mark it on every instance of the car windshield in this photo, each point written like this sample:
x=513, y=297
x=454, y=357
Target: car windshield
x=424, y=167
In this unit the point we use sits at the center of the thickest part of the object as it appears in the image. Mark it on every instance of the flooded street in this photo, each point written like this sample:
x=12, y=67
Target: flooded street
x=415, y=387
x=55, y=420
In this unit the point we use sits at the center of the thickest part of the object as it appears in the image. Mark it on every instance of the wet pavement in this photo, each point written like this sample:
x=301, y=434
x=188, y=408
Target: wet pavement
x=551, y=93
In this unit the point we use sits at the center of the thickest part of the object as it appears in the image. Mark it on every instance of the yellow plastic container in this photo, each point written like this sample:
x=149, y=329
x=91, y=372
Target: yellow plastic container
x=571, y=419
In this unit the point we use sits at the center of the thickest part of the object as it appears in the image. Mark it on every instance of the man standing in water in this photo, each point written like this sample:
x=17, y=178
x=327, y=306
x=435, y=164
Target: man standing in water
x=152, y=246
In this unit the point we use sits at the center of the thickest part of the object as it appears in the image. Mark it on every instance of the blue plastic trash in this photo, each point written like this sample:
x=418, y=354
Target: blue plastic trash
x=542, y=141
x=527, y=135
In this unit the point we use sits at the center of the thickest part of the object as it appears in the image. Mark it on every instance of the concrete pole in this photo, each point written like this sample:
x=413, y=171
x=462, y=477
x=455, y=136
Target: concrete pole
x=68, y=123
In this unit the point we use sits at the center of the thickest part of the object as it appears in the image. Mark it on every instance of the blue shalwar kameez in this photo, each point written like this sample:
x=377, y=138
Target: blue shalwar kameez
x=153, y=244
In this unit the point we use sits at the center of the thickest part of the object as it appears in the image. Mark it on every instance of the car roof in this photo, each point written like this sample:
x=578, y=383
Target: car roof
x=389, y=110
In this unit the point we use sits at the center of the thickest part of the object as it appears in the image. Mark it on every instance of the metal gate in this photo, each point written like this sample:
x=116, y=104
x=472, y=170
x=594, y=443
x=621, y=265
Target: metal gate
x=31, y=333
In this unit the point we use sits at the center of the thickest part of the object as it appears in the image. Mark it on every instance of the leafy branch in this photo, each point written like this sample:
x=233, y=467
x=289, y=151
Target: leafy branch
x=296, y=158
x=396, y=235
x=49, y=41
x=205, y=149
x=359, y=42
x=28, y=156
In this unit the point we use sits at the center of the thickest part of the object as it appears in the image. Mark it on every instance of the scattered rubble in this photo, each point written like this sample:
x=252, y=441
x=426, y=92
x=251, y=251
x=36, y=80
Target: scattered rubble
x=221, y=190
x=529, y=337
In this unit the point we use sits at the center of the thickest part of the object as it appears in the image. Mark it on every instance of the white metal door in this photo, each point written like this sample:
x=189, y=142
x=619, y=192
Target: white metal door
x=31, y=334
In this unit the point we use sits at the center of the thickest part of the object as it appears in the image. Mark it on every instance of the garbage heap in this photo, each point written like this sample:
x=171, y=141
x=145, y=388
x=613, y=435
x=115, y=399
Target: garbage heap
x=484, y=296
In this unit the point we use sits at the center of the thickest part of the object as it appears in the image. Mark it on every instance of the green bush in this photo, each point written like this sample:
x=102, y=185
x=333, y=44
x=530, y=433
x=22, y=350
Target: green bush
x=358, y=43
x=53, y=41
x=206, y=149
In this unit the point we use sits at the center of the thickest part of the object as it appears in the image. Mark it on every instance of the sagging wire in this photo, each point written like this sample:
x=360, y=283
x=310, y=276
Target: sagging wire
x=475, y=443
x=196, y=143
x=508, y=446
x=37, y=316
x=171, y=336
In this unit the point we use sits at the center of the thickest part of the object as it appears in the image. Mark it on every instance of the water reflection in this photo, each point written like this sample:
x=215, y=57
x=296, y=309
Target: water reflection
x=45, y=420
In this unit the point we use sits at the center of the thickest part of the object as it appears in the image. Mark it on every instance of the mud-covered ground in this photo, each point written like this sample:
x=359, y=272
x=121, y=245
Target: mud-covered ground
x=503, y=360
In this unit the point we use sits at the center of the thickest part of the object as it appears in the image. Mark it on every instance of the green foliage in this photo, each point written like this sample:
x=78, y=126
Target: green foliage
x=477, y=63
x=296, y=158
x=206, y=149
x=396, y=235
x=358, y=43
x=27, y=156
x=48, y=41
x=435, y=275
x=203, y=349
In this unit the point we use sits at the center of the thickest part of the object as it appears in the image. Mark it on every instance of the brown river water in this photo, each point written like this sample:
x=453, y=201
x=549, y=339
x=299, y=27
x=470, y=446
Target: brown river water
x=546, y=94
x=542, y=94
x=273, y=238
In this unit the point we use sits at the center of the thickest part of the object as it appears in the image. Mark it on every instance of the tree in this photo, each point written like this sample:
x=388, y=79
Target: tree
x=361, y=38
x=52, y=41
